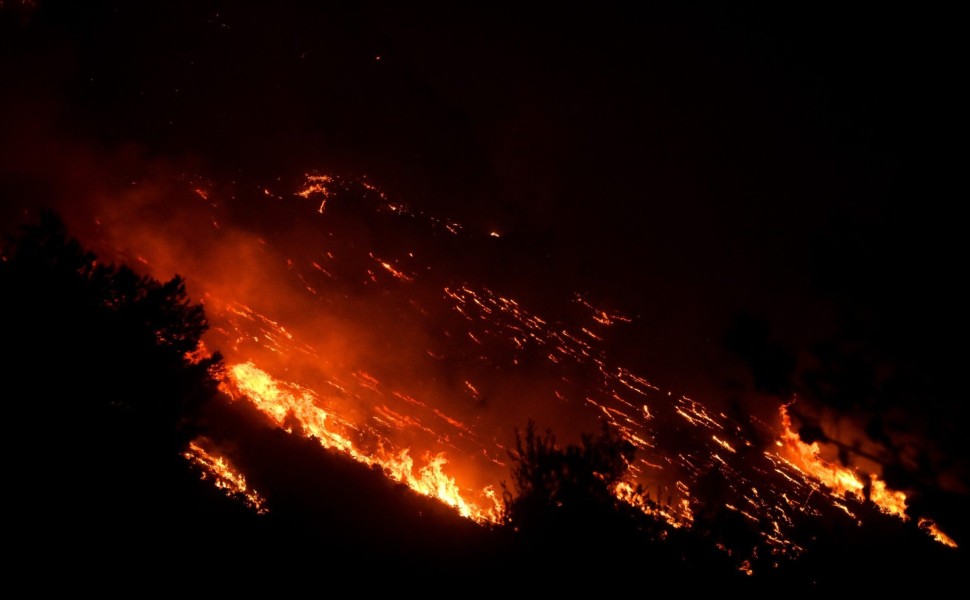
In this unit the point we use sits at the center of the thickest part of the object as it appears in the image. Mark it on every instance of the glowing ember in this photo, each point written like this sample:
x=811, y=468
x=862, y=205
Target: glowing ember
x=390, y=269
x=224, y=476
x=317, y=184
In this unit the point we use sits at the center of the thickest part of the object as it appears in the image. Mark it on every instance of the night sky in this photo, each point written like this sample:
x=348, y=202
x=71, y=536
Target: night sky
x=788, y=171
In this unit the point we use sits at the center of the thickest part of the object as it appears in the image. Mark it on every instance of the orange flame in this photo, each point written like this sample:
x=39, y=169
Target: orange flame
x=286, y=403
x=225, y=476
x=929, y=526
x=839, y=480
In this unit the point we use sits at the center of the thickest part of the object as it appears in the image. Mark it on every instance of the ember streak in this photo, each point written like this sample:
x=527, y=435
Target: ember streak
x=433, y=403
x=547, y=230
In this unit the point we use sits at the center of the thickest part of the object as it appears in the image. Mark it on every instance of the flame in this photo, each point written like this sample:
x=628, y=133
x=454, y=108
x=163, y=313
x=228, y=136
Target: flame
x=278, y=401
x=288, y=404
x=840, y=480
x=929, y=526
x=224, y=476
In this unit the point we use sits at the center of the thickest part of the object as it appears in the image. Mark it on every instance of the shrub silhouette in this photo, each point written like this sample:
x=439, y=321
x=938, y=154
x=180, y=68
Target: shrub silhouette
x=562, y=501
x=554, y=482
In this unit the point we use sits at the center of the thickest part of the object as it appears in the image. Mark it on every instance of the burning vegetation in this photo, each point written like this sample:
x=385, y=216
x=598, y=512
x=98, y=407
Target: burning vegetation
x=752, y=507
x=224, y=476
x=297, y=410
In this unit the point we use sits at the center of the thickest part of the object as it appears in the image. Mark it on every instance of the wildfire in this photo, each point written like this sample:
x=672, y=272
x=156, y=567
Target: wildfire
x=290, y=405
x=476, y=346
x=224, y=476
x=839, y=480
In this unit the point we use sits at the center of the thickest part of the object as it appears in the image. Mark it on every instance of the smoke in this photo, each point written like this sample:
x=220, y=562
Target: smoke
x=305, y=295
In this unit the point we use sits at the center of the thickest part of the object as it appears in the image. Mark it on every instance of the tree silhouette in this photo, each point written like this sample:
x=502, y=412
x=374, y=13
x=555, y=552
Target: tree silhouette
x=102, y=386
x=78, y=323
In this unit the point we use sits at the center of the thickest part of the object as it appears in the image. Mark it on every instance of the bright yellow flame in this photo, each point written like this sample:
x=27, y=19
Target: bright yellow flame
x=285, y=402
x=277, y=401
x=224, y=476
x=839, y=480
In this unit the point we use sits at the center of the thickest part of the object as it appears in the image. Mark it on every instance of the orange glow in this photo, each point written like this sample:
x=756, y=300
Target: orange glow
x=287, y=404
x=840, y=480
x=224, y=476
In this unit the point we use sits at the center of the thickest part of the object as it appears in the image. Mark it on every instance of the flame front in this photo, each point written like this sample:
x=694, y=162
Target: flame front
x=839, y=480
x=288, y=405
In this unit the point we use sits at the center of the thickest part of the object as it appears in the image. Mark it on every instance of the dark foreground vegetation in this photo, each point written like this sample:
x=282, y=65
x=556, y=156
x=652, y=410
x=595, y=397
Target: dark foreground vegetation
x=104, y=393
